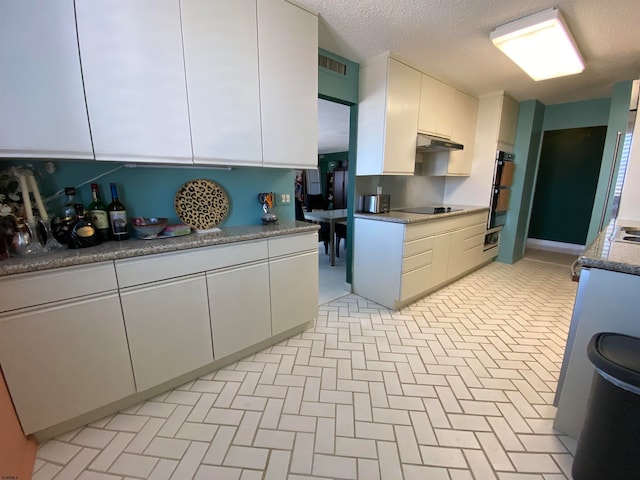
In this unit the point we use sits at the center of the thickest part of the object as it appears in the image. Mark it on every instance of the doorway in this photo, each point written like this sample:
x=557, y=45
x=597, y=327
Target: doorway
x=565, y=189
x=326, y=188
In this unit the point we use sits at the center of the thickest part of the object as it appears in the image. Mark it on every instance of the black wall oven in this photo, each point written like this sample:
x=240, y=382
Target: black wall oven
x=501, y=188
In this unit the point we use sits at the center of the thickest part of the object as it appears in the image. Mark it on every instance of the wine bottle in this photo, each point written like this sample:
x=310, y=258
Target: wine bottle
x=98, y=215
x=117, y=216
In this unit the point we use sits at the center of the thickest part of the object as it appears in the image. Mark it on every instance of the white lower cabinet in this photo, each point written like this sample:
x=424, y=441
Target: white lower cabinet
x=294, y=296
x=239, y=301
x=406, y=262
x=65, y=359
x=168, y=328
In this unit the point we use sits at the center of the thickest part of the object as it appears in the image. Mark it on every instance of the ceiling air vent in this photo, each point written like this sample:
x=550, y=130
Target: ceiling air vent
x=331, y=64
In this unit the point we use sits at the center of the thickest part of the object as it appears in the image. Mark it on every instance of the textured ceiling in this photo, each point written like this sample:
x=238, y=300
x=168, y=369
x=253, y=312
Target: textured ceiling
x=333, y=127
x=450, y=40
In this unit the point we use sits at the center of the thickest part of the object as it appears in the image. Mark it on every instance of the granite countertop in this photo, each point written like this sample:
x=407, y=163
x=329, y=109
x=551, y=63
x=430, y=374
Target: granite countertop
x=135, y=247
x=402, y=217
x=608, y=254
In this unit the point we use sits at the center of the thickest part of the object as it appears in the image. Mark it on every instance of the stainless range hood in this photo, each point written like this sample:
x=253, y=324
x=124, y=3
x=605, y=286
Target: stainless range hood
x=428, y=143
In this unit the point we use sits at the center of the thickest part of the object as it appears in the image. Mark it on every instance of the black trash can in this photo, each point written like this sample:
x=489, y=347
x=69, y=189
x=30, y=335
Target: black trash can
x=609, y=445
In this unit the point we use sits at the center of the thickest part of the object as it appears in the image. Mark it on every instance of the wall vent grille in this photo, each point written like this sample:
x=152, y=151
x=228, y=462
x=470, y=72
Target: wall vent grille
x=331, y=64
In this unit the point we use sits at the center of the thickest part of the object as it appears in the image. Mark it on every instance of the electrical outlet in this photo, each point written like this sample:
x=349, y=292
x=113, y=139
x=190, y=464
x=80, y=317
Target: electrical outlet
x=284, y=198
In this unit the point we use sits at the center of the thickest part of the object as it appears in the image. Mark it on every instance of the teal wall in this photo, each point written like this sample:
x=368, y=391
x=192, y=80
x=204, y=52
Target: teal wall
x=617, y=122
x=150, y=191
x=337, y=87
x=513, y=237
x=533, y=119
x=589, y=113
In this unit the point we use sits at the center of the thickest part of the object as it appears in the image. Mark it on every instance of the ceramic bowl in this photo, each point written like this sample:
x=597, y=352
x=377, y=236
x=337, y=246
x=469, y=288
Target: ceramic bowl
x=148, y=227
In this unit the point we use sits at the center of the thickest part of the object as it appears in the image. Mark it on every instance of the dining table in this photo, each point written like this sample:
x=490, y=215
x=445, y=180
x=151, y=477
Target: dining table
x=331, y=217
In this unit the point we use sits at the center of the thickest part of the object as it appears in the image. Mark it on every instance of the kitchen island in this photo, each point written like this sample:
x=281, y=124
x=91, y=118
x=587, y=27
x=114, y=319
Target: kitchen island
x=400, y=257
x=86, y=333
x=606, y=301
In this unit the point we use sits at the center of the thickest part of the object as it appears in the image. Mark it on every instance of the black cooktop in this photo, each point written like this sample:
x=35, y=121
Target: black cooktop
x=433, y=210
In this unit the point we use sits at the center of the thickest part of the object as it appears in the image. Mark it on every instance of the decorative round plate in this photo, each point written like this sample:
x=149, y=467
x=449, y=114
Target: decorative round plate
x=201, y=204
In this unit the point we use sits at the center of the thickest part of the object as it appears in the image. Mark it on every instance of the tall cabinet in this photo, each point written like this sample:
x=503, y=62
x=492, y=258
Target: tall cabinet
x=221, y=64
x=387, y=117
x=288, y=62
x=134, y=80
x=42, y=109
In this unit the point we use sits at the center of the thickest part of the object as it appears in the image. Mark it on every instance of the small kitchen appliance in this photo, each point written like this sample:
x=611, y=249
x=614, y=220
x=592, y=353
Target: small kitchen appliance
x=379, y=203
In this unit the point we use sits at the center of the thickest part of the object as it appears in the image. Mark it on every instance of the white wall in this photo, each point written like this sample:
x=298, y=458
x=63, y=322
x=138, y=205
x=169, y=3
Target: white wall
x=630, y=199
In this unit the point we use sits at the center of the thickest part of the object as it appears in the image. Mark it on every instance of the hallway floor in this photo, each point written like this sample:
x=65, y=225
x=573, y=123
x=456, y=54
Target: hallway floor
x=457, y=386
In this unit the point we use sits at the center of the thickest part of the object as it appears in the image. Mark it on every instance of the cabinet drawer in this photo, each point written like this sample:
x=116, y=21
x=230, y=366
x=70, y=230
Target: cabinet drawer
x=417, y=246
x=433, y=227
x=416, y=261
x=36, y=288
x=292, y=244
x=474, y=236
x=136, y=271
x=415, y=282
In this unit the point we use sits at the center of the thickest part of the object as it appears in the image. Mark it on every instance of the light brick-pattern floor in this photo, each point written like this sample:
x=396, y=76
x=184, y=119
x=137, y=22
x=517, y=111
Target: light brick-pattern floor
x=457, y=386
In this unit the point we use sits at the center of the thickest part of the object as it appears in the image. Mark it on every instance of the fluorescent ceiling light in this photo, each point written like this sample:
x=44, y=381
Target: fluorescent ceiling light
x=540, y=44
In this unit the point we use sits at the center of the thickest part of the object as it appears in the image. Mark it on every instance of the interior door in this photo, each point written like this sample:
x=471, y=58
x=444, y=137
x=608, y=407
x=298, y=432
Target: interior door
x=566, y=184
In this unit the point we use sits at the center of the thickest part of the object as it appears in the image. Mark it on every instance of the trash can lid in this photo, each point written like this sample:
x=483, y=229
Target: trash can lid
x=617, y=355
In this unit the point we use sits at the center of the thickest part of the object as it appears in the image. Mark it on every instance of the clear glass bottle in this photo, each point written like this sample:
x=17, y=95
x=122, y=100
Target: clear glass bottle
x=98, y=215
x=117, y=216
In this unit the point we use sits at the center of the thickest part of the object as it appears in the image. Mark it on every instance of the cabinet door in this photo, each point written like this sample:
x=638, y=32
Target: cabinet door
x=168, y=329
x=440, y=259
x=403, y=97
x=508, y=121
x=465, y=113
x=288, y=57
x=42, y=108
x=65, y=359
x=436, y=107
x=221, y=61
x=133, y=69
x=239, y=301
x=466, y=250
x=294, y=291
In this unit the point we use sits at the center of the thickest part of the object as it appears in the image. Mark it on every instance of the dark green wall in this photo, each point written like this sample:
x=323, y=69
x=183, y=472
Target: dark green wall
x=327, y=162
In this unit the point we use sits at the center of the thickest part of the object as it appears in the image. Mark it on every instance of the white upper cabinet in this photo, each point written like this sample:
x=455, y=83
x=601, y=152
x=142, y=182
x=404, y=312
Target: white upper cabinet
x=221, y=61
x=457, y=162
x=508, y=120
x=133, y=66
x=42, y=107
x=387, y=118
x=288, y=62
x=436, y=107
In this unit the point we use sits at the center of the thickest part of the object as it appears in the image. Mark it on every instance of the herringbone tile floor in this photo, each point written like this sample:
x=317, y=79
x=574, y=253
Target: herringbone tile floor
x=456, y=386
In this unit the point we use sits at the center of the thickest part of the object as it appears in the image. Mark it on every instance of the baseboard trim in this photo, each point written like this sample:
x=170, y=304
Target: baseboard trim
x=552, y=246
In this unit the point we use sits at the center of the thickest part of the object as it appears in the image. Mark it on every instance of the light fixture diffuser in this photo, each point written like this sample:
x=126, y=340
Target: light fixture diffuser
x=540, y=44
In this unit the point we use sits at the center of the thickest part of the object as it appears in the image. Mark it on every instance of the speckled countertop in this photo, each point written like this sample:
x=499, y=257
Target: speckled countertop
x=402, y=217
x=607, y=253
x=135, y=247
